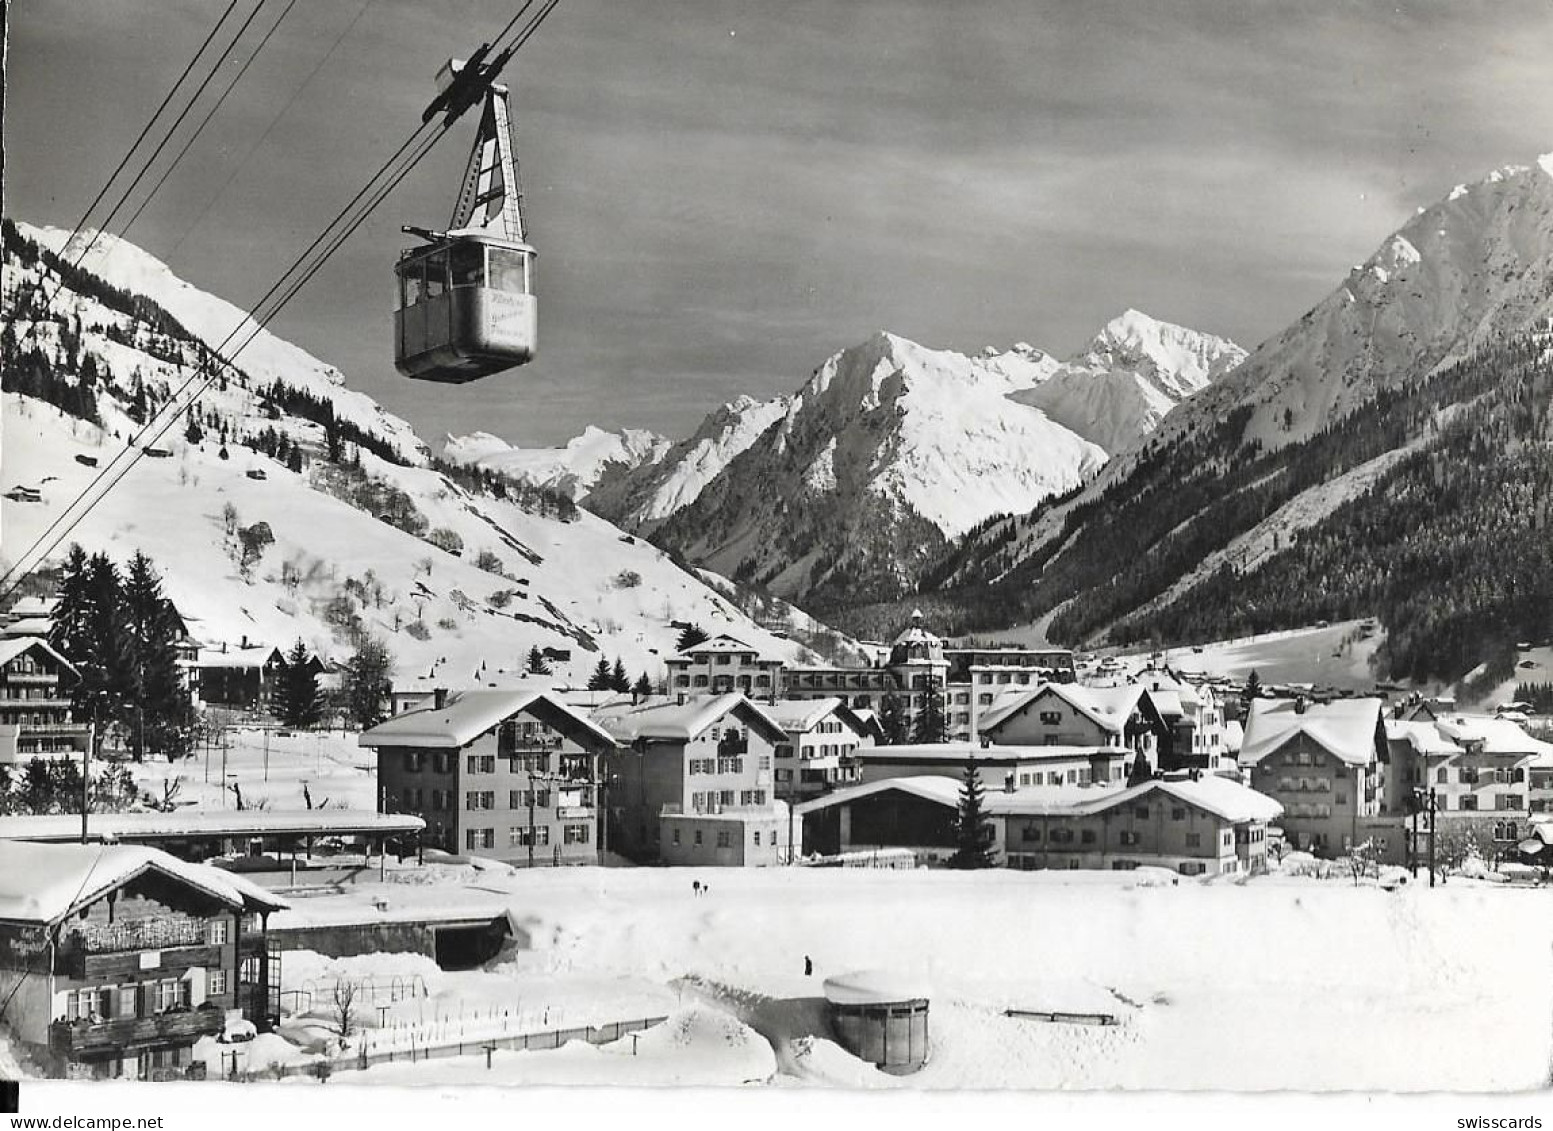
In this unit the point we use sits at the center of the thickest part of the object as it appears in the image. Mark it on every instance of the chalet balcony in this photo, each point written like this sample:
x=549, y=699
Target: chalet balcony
x=104, y=952
x=76, y=1039
x=34, y=703
x=573, y=812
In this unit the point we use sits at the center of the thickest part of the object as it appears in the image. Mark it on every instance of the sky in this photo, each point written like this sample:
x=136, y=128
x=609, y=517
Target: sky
x=724, y=193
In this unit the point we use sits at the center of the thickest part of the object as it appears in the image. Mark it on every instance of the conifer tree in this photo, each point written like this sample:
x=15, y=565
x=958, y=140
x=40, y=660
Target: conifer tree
x=618, y=679
x=367, y=675
x=690, y=636
x=892, y=720
x=163, y=713
x=973, y=836
x=537, y=664
x=300, y=703
x=643, y=686
x=599, y=680
x=931, y=724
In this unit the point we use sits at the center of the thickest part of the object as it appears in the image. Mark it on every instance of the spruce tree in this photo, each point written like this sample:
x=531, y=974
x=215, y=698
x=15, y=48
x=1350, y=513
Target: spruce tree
x=73, y=608
x=599, y=680
x=690, y=636
x=642, y=687
x=367, y=675
x=892, y=720
x=973, y=836
x=931, y=724
x=300, y=703
x=537, y=664
x=158, y=712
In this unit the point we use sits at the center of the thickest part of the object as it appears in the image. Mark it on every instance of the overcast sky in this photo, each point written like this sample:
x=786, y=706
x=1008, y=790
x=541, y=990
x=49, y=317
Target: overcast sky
x=725, y=192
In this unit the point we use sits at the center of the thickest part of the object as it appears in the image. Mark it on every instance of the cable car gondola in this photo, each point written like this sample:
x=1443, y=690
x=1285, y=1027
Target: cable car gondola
x=466, y=305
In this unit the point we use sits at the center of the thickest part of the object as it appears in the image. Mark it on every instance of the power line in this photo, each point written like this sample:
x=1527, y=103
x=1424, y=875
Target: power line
x=132, y=454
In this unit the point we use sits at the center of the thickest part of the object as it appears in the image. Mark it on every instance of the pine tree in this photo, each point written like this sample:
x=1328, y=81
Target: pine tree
x=300, y=704
x=537, y=664
x=618, y=679
x=162, y=711
x=72, y=611
x=103, y=656
x=973, y=836
x=931, y=724
x=892, y=720
x=600, y=679
x=366, y=681
x=1252, y=690
x=643, y=686
x=690, y=636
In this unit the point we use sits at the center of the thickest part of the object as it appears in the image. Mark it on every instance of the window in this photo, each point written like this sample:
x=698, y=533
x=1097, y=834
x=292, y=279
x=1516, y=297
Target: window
x=574, y=834
x=168, y=994
x=698, y=838
x=476, y=799
x=676, y=836
x=414, y=761
x=722, y=838
x=1129, y=838
x=1051, y=718
x=1194, y=840
x=1469, y=802
x=1192, y=868
x=216, y=932
x=215, y=983
x=1469, y=775
x=725, y=797
x=129, y=997
x=1178, y=813
x=1087, y=836
x=510, y=271
x=482, y=763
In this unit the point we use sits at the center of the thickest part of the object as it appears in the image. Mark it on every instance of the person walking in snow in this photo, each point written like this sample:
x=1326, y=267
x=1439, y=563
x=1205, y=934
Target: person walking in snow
x=695, y=887
x=808, y=966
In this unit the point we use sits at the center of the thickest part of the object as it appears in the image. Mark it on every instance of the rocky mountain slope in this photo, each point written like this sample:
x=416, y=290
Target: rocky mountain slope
x=1316, y=425
x=460, y=573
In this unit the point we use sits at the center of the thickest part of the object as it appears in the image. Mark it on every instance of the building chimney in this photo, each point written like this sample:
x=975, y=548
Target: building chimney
x=439, y=698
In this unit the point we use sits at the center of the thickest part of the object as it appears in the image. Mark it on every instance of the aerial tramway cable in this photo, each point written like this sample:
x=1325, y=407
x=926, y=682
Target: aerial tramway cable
x=120, y=465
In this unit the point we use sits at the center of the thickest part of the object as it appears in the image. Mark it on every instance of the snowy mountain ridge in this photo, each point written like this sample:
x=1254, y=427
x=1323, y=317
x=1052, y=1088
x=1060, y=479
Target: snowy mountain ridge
x=460, y=584
x=575, y=468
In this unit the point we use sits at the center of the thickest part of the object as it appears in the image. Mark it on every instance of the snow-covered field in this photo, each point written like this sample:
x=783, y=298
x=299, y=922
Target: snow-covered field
x=1268, y=985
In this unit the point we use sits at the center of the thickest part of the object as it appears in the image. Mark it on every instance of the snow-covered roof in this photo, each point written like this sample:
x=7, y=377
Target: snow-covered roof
x=874, y=987
x=207, y=822
x=468, y=714
x=252, y=657
x=1220, y=796
x=1497, y=735
x=1345, y=728
x=992, y=755
x=798, y=716
x=15, y=646
x=665, y=718
x=1234, y=736
x=1107, y=707
x=1422, y=735
x=34, y=607
x=723, y=644
x=43, y=883
x=929, y=787
x=28, y=626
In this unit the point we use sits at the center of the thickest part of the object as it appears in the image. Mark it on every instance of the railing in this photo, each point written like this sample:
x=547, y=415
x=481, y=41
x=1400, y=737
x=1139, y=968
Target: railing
x=565, y=812
x=74, y=1038
x=53, y=728
x=137, y=934
x=39, y=702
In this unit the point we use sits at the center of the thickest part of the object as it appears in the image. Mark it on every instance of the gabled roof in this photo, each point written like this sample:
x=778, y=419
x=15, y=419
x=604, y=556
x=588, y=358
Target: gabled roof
x=1107, y=707
x=469, y=714
x=661, y=717
x=798, y=716
x=1226, y=799
x=254, y=657
x=43, y=883
x=1344, y=728
x=14, y=646
x=1422, y=735
x=722, y=643
x=1498, y=735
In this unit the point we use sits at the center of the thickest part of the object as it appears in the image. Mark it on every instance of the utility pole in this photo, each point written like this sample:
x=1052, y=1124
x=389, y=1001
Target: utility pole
x=86, y=767
x=1431, y=837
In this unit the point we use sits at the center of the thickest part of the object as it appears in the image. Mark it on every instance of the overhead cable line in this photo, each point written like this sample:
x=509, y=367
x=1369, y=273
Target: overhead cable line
x=300, y=271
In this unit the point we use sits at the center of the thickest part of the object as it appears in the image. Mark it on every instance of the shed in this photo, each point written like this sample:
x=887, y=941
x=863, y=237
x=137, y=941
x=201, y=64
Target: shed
x=881, y=1017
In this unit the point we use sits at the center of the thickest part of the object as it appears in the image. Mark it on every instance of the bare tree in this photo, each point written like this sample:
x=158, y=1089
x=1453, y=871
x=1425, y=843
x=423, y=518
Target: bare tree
x=1360, y=861
x=345, y=1007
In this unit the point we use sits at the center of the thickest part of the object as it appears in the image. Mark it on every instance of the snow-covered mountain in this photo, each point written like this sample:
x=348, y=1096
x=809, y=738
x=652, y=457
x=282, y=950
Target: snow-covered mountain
x=1236, y=476
x=1134, y=372
x=460, y=584
x=888, y=448
x=574, y=469
x=640, y=498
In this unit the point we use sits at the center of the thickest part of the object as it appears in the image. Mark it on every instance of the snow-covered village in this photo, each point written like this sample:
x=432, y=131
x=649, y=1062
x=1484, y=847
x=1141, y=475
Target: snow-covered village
x=716, y=689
